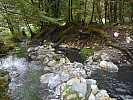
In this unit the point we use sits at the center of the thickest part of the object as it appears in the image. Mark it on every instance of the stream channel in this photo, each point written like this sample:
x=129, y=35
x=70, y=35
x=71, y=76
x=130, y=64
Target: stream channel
x=25, y=76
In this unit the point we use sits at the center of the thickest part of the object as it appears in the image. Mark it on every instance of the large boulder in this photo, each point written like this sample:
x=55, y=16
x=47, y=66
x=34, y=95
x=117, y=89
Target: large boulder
x=94, y=89
x=112, y=67
x=54, y=81
x=78, y=85
x=101, y=93
x=91, y=97
x=109, y=66
x=52, y=63
x=64, y=77
x=46, y=77
x=91, y=81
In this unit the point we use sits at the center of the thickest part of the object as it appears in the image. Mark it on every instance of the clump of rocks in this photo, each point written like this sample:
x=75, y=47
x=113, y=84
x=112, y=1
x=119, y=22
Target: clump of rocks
x=66, y=79
x=101, y=61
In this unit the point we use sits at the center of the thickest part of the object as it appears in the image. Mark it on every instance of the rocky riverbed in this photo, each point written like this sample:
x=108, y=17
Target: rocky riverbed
x=70, y=80
x=47, y=75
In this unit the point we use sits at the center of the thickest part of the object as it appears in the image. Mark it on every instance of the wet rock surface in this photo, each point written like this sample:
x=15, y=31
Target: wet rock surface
x=67, y=80
x=51, y=76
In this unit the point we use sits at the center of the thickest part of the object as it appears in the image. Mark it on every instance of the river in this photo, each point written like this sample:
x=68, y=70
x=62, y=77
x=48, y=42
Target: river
x=25, y=84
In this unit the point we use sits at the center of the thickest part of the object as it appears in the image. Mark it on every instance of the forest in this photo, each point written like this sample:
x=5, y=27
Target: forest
x=99, y=30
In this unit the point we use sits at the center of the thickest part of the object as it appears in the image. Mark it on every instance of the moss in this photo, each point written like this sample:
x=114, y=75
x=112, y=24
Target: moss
x=3, y=85
x=69, y=93
x=86, y=51
x=3, y=73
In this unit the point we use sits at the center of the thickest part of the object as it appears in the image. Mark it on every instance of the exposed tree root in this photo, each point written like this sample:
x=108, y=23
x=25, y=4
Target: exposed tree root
x=123, y=49
x=62, y=37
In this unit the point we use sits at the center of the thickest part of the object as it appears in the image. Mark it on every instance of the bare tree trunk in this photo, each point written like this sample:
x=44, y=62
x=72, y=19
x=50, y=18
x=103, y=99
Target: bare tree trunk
x=132, y=11
x=99, y=12
x=85, y=11
x=71, y=11
x=106, y=5
x=92, y=14
x=115, y=12
x=120, y=11
x=110, y=12
x=30, y=30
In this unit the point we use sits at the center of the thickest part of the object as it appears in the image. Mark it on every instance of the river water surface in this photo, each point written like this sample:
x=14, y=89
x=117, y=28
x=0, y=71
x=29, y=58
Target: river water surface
x=25, y=76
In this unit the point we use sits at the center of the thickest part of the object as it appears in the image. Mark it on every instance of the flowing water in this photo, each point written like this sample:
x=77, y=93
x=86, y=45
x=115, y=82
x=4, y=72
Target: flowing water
x=25, y=76
x=118, y=84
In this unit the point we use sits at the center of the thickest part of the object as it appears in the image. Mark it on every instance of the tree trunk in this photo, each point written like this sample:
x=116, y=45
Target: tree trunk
x=30, y=30
x=115, y=12
x=120, y=11
x=99, y=12
x=106, y=5
x=69, y=12
x=110, y=12
x=132, y=11
x=85, y=12
x=92, y=14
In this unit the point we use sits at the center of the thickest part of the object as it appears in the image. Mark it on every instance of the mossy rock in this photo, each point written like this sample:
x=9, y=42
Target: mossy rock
x=3, y=73
x=4, y=88
x=4, y=85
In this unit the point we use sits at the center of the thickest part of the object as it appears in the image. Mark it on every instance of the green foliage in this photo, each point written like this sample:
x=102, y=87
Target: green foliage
x=86, y=51
x=3, y=73
x=3, y=85
x=69, y=93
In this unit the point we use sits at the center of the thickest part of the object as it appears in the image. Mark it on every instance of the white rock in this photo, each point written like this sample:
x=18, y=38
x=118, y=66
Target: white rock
x=103, y=64
x=46, y=60
x=71, y=96
x=112, y=67
x=78, y=85
x=46, y=77
x=31, y=49
x=41, y=56
x=41, y=47
x=50, y=55
x=54, y=81
x=94, y=89
x=91, y=97
x=36, y=48
x=91, y=81
x=48, y=69
x=62, y=60
x=64, y=77
x=81, y=88
x=60, y=88
x=94, y=67
x=33, y=56
x=128, y=39
x=42, y=51
x=76, y=72
x=102, y=93
x=71, y=81
x=79, y=72
x=78, y=65
x=104, y=56
x=89, y=61
x=52, y=63
x=116, y=34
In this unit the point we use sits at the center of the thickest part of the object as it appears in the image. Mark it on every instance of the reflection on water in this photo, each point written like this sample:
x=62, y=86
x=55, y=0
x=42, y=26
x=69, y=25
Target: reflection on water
x=119, y=84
